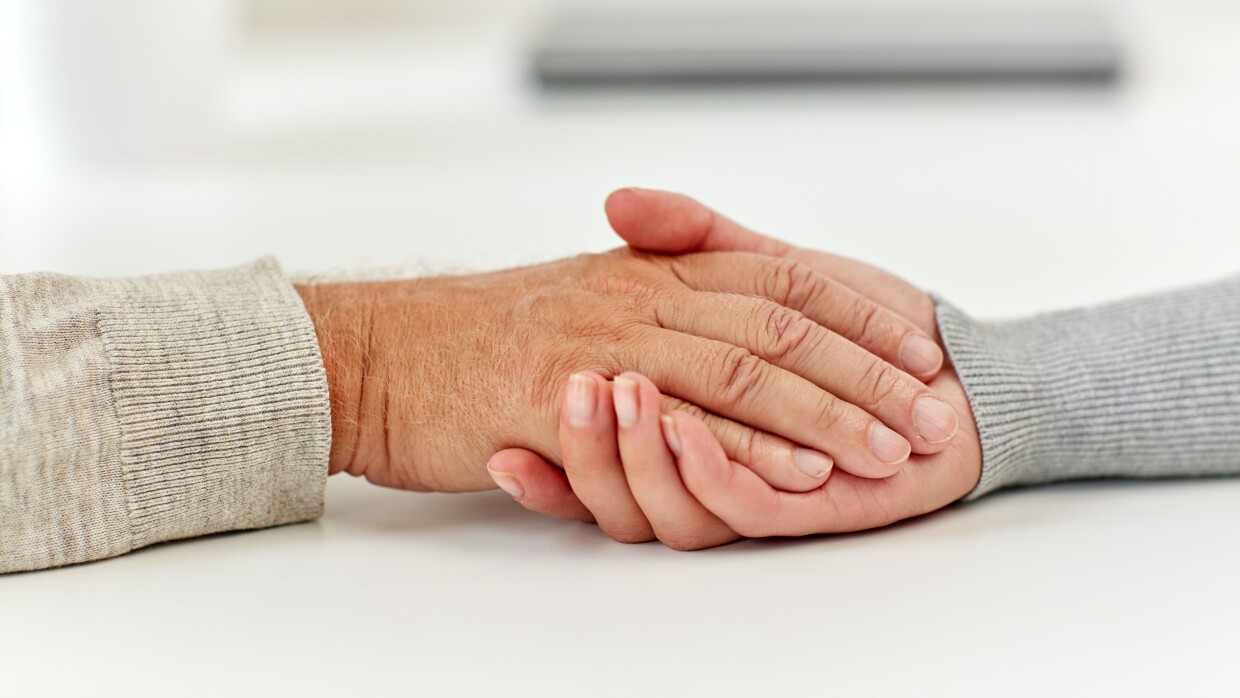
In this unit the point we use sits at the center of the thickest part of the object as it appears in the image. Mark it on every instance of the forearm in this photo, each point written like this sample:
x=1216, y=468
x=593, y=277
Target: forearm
x=1140, y=388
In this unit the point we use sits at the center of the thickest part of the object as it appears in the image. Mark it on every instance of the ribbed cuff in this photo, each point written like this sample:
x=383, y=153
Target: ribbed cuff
x=1148, y=387
x=222, y=401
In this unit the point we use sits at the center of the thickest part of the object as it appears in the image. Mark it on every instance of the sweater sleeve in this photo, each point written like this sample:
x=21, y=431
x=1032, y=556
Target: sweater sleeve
x=1148, y=387
x=134, y=411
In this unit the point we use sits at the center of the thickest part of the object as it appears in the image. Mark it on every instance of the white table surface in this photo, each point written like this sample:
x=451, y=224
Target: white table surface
x=429, y=149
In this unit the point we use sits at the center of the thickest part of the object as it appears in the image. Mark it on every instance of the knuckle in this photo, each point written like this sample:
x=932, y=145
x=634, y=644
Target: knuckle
x=866, y=508
x=683, y=541
x=637, y=293
x=542, y=356
x=738, y=441
x=680, y=267
x=631, y=277
x=827, y=412
x=744, y=446
x=739, y=375
x=675, y=404
x=625, y=332
x=849, y=509
x=877, y=384
x=865, y=322
x=751, y=527
x=791, y=283
x=629, y=533
x=781, y=331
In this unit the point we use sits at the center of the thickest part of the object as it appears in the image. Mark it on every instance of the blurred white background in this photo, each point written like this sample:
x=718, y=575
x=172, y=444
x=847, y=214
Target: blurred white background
x=143, y=136
x=150, y=135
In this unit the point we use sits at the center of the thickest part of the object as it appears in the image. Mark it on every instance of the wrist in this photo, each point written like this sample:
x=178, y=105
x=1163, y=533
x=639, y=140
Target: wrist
x=342, y=314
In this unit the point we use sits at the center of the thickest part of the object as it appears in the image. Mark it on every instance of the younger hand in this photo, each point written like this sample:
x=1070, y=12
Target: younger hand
x=642, y=474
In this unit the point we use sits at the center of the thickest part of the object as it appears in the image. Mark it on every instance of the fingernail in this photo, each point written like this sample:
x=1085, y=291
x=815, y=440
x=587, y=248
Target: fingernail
x=920, y=355
x=934, y=420
x=508, y=484
x=581, y=400
x=888, y=446
x=625, y=396
x=670, y=436
x=812, y=463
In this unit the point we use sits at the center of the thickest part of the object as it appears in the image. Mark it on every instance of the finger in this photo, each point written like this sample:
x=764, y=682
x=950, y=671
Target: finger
x=536, y=484
x=662, y=221
x=592, y=459
x=732, y=382
x=705, y=468
x=824, y=301
x=679, y=521
x=788, y=339
x=781, y=463
x=846, y=503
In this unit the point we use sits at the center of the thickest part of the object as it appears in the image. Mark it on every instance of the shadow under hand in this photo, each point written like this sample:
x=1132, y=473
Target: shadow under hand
x=356, y=504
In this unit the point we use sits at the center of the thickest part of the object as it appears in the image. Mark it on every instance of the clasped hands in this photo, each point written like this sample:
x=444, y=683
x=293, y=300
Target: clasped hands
x=704, y=384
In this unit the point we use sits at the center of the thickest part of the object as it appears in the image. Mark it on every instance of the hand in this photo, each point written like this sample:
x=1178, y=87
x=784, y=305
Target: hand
x=430, y=376
x=713, y=500
x=660, y=221
x=642, y=473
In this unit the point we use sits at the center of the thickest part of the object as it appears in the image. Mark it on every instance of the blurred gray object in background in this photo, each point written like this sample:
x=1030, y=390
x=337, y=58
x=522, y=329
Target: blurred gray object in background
x=994, y=42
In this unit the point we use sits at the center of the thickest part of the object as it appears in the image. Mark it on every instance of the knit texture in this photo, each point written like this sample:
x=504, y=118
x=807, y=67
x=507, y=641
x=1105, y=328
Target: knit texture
x=135, y=411
x=1147, y=387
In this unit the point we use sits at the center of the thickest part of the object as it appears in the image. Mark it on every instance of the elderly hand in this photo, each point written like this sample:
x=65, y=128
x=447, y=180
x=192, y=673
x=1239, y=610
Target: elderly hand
x=685, y=489
x=789, y=368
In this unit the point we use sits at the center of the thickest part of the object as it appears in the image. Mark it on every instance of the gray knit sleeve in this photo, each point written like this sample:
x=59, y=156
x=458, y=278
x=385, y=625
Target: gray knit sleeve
x=134, y=411
x=1148, y=387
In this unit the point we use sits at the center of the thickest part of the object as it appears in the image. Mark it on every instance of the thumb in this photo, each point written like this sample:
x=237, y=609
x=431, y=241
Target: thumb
x=661, y=221
x=536, y=484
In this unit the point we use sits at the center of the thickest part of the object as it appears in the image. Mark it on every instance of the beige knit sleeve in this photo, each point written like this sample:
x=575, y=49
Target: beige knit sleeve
x=134, y=411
